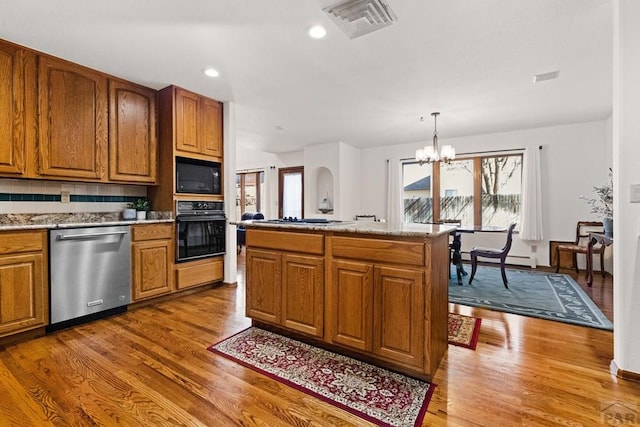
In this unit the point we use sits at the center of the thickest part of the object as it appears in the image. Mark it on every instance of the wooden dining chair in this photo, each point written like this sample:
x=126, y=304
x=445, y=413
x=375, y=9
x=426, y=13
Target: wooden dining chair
x=493, y=253
x=454, y=248
x=583, y=229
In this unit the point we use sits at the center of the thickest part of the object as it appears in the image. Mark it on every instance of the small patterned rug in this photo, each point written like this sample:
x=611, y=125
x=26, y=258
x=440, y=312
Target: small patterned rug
x=464, y=330
x=375, y=394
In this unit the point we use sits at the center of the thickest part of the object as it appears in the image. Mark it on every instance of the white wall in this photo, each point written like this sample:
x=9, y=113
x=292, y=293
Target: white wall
x=626, y=159
x=351, y=187
x=270, y=163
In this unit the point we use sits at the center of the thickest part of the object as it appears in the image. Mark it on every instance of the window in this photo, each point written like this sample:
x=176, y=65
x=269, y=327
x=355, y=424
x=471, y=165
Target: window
x=476, y=190
x=249, y=192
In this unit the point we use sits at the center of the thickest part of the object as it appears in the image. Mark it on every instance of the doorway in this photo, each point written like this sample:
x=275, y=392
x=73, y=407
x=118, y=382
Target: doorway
x=291, y=192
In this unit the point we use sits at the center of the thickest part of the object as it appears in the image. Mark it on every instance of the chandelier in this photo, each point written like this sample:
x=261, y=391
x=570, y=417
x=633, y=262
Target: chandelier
x=430, y=154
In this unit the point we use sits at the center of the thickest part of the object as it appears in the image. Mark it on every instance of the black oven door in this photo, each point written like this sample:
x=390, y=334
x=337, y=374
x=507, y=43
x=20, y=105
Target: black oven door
x=199, y=237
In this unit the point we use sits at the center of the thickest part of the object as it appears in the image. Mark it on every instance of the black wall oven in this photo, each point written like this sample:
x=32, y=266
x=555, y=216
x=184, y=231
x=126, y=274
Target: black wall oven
x=200, y=230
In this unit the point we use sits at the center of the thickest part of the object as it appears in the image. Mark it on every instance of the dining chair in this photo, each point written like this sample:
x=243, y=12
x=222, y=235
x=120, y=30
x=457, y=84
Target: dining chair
x=583, y=229
x=454, y=248
x=493, y=253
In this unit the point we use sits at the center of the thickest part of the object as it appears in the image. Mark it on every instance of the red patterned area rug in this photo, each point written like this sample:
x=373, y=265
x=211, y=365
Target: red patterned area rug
x=377, y=395
x=464, y=330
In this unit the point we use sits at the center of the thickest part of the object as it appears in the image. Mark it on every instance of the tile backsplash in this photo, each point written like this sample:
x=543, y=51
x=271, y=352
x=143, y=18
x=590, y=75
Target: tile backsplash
x=38, y=196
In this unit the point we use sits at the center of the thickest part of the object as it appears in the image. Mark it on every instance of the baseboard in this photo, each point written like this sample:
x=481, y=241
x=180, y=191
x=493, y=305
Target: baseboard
x=620, y=373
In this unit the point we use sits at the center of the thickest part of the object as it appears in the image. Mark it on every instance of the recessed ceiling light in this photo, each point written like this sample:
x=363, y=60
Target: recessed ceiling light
x=211, y=72
x=317, y=32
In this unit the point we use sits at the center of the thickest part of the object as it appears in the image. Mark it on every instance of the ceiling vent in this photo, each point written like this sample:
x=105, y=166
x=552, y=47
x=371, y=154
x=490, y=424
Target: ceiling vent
x=537, y=78
x=359, y=17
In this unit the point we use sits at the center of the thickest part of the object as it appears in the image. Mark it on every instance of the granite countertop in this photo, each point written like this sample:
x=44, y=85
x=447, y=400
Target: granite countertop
x=71, y=220
x=362, y=227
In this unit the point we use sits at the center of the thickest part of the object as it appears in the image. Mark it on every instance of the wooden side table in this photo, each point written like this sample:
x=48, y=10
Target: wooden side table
x=595, y=238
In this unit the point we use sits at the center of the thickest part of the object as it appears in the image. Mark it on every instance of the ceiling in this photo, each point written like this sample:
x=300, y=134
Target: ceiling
x=473, y=61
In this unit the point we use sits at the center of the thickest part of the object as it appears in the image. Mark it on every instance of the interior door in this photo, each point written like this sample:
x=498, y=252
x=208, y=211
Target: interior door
x=291, y=192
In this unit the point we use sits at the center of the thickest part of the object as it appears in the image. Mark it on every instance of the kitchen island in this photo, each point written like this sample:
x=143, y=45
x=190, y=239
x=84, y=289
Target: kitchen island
x=374, y=291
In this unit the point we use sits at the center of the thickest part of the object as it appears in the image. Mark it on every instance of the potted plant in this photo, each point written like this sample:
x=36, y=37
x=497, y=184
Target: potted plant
x=603, y=204
x=141, y=206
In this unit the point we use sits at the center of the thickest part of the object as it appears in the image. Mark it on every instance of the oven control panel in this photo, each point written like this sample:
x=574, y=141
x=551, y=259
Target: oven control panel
x=199, y=208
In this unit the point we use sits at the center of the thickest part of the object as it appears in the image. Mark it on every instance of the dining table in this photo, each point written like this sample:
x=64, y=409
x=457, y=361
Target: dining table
x=456, y=244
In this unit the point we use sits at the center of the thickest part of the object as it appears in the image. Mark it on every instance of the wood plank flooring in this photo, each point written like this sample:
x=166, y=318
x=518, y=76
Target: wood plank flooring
x=150, y=367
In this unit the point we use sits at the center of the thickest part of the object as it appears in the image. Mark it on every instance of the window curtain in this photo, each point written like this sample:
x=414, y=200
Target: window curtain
x=531, y=210
x=394, y=191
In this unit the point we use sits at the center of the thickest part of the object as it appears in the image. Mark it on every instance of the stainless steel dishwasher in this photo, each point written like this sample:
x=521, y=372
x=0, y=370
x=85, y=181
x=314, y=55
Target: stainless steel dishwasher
x=90, y=273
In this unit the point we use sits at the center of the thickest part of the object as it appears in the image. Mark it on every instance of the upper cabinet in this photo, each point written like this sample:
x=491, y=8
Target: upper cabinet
x=211, y=128
x=17, y=115
x=72, y=120
x=198, y=123
x=132, y=133
x=63, y=121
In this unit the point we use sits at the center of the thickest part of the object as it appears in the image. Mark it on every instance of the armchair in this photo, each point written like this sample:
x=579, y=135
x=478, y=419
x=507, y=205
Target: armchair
x=241, y=231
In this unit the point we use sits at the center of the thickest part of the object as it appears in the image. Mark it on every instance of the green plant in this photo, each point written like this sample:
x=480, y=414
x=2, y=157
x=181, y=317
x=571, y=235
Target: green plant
x=603, y=204
x=139, y=205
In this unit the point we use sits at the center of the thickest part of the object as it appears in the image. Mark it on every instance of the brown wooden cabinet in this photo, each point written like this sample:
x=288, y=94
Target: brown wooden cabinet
x=377, y=297
x=378, y=309
x=63, y=121
x=398, y=309
x=351, y=300
x=23, y=281
x=72, y=120
x=264, y=298
x=152, y=252
x=199, y=272
x=132, y=133
x=287, y=288
x=198, y=124
x=17, y=112
x=211, y=127
x=383, y=297
x=303, y=293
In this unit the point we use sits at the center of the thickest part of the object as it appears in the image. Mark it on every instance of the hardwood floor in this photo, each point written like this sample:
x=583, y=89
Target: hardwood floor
x=150, y=367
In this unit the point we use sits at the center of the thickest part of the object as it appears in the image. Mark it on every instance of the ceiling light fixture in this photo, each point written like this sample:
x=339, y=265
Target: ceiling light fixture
x=211, y=72
x=317, y=32
x=431, y=154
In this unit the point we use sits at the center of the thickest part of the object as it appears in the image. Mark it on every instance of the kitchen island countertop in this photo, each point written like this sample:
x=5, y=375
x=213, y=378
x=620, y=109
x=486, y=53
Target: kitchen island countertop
x=361, y=227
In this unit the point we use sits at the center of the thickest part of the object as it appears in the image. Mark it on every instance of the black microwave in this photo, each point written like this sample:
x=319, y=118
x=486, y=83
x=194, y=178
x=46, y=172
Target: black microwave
x=198, y=176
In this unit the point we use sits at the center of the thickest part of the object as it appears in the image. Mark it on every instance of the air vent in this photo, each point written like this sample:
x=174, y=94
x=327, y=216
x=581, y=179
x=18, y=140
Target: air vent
x=359, y=17
x=537, y=78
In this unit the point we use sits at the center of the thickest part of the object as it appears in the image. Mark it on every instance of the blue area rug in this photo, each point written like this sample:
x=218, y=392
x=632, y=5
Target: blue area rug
x=546, y=295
